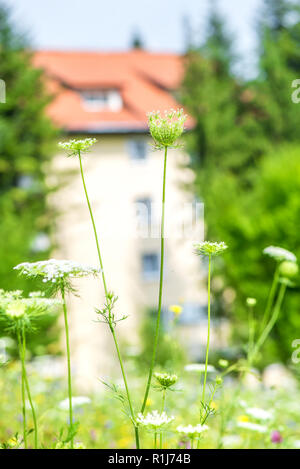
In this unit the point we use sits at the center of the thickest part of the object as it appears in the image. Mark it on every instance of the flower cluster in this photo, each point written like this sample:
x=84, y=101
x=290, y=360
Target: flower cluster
x=208, y=248
x=165, y=380
x=192, y=431
x=154, y=420
x=279, y=254
x=75, y=147
x=165, y=130
x=54, y=270
x=17, y=311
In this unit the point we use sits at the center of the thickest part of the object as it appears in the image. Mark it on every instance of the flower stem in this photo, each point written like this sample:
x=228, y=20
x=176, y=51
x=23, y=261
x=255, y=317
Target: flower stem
x=208, y=328
x=106, y=295
x=164, y=393
x=21, y=353
x=162, y=246
x=271, y=298
x=270, y=324
x=29, y=394
x=69, y=367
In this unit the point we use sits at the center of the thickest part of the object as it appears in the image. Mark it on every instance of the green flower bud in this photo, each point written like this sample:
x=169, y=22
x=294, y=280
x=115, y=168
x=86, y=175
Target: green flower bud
x=251, y=302
x=165, y=380
x=288, y=269
x=219, y=380
x=166, y=130
x=223, y=363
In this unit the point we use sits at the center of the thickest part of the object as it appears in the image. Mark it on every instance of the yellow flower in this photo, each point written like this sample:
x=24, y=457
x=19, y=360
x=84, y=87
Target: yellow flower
x=214, y=405
x=124, y=442
x=176, y=309
x=243, y=418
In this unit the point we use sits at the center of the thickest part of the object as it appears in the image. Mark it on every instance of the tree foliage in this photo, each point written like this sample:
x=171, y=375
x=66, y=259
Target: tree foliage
x=245, y=173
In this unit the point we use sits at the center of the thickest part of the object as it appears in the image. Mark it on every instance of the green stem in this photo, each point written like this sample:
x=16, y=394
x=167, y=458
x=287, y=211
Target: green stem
x=251, y=332
x=162, y=410
x=69, y=367
x=29, y=394
x=162, y=246
x=208, y=328
x=155, y=440
x=271, y=323
x=23, y=390
x=271, y=298
x=109, y=309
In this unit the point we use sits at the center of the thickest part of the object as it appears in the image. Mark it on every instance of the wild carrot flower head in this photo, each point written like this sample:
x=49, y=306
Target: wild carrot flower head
x=165, y=380
x=17, y=312
x=208, y=248
x=192, y=431
x=53, y=270
x=154, y=420
x=279, y=254
x=166, y=129
x=58, y=273
x=74, y=147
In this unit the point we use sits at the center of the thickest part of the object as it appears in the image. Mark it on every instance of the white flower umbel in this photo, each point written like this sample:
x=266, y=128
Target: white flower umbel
x=166, y=129
x=75, y=147
x=154, y=420
x=254, y=427
x=208, y=248
x=192, y=431
x=54, y=270
x=279, y=254
x=259, y=414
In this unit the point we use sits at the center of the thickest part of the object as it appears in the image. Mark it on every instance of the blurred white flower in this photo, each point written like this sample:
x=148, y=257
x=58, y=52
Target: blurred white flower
x=259, y=414
x=254, y=427
x=192, y=431
x=77, y=401
x=199, y=367
x=280, y=254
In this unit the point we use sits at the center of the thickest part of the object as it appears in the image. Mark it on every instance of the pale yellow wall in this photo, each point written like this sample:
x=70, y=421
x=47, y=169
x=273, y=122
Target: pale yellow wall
x=115, y=181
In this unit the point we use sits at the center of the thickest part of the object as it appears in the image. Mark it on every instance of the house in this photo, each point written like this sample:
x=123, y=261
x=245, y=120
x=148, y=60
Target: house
x=108, y=96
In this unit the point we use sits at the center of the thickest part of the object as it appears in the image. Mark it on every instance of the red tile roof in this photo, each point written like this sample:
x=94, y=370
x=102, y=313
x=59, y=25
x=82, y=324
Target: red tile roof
x=144, y=80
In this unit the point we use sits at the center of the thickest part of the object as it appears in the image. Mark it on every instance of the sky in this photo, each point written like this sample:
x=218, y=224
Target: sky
x=110, y=24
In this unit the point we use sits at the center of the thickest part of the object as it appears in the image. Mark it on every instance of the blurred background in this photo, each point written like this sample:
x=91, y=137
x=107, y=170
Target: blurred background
x=77, y=68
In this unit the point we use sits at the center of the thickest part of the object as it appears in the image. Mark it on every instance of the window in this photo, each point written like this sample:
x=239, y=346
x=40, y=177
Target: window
x=143, y=211
x=150, y=266
x=192, y=313
x=99, y=100
x=137, y=149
